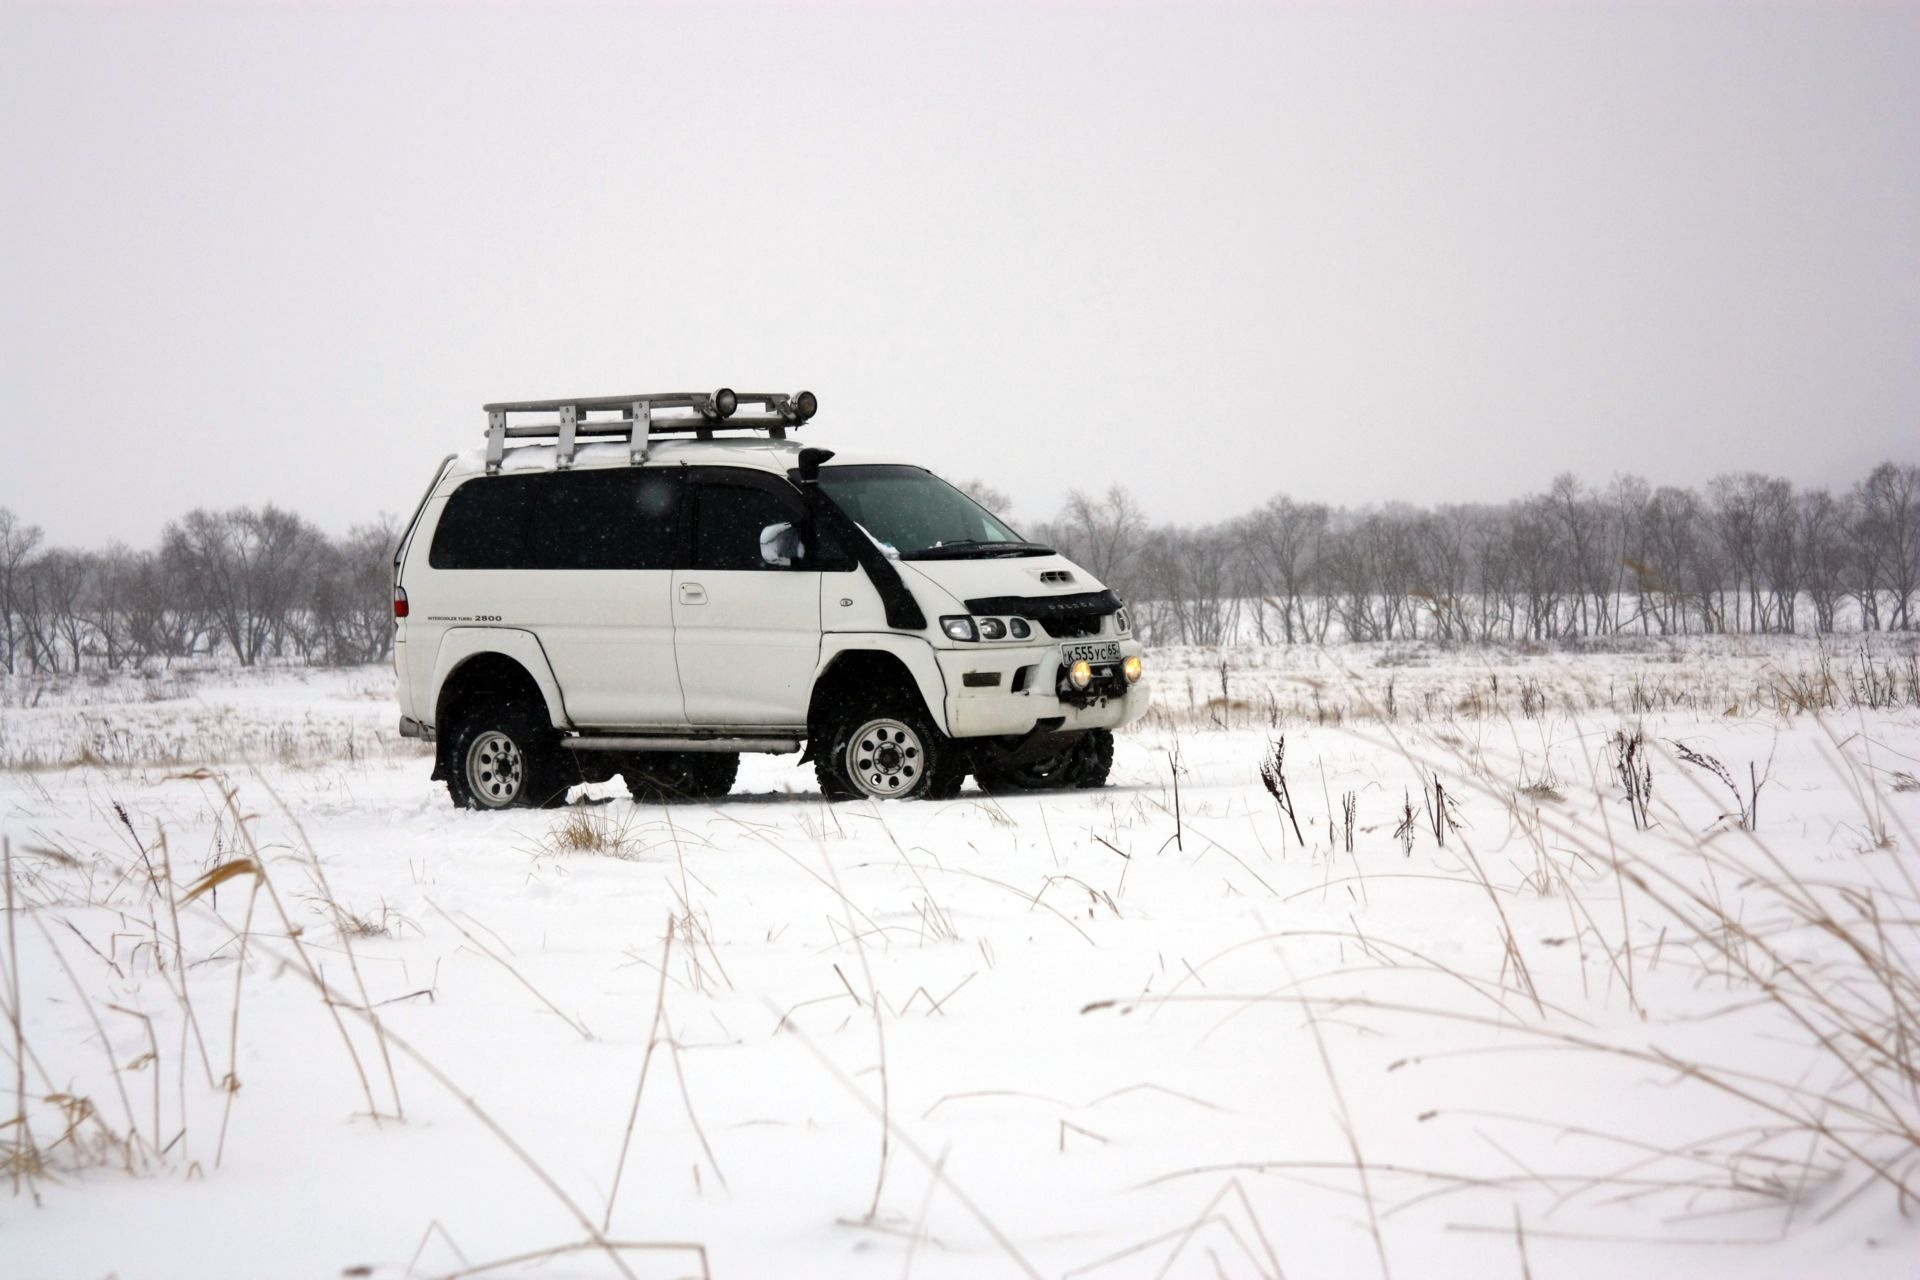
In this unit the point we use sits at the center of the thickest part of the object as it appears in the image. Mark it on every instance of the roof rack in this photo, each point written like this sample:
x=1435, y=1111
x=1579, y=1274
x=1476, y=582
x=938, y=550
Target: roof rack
x=638, y=418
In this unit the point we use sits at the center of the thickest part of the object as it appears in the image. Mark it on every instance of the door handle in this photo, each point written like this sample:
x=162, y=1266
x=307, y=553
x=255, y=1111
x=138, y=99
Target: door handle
x=692, y=593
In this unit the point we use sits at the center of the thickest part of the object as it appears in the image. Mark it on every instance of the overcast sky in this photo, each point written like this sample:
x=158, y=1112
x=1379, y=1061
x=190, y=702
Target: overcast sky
x=1358, y=255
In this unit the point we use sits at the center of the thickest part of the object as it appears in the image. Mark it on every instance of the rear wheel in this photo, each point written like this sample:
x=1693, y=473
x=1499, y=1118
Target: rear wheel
x=503, y=757
x=890, y=754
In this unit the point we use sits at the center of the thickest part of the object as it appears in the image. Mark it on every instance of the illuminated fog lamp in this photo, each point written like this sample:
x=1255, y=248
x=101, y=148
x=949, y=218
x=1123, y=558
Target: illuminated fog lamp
x=1133, y=667
x=1080, y=674
x=992, y=629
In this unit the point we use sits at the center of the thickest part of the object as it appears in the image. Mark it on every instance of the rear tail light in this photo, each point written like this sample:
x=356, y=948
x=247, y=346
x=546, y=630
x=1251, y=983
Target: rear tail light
x=399, y=602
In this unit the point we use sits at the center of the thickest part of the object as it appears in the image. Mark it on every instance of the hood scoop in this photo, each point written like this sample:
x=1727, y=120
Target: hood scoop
x=1057, y=577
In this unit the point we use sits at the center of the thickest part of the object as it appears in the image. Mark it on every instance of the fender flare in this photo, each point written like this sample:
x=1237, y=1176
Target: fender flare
x=457, y=644
x=914, y=653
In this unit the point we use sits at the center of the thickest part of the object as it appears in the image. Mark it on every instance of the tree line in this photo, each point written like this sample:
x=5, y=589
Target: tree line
x=256, y=582
x=1752, y=553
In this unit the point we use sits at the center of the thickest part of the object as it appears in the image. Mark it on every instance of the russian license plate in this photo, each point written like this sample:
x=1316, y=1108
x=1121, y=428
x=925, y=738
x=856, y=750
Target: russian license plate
x=1104, y=651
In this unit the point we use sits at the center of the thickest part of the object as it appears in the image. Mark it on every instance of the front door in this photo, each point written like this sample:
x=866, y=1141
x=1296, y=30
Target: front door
x=746, y=612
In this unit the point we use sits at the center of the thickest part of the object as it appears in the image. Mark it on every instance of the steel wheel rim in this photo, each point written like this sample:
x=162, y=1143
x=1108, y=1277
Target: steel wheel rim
x=885, y=757
x=496, y=769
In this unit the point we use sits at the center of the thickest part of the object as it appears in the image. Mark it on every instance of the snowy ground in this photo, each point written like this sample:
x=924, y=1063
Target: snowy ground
x=1117, y=1033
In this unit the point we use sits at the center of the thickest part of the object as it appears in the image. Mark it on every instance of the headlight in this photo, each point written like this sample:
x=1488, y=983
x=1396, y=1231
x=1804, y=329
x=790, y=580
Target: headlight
x=992, y=629
x=1020, y=629
x=1080, y=674
x=959, y=628
x=1133, y=667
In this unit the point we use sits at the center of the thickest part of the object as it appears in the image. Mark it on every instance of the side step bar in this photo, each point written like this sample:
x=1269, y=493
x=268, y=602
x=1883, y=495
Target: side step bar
x=768, y=746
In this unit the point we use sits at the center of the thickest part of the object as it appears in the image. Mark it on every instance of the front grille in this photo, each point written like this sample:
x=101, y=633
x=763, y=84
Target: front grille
x=1073, y=624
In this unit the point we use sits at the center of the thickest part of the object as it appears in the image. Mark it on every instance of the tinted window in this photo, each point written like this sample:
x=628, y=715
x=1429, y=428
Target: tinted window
x=728, y=522
x=483, y=527
x=613, y=519
x=603, y=520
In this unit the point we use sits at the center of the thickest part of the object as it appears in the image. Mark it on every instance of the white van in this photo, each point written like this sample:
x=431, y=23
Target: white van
x=653, y=585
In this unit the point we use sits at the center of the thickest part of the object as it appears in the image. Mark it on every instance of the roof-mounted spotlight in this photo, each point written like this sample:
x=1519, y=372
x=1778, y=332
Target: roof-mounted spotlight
x=800, y=406
x=721, y=404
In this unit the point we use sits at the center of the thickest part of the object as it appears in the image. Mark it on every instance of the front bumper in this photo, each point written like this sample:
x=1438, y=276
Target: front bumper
x=1015, y=687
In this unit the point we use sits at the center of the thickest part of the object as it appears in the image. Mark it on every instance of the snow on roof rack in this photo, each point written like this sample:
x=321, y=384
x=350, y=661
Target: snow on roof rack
x=637, y=418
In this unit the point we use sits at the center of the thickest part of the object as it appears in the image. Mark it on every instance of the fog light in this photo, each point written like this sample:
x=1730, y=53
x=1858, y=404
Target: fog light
x=992, y=629
x=1133, y=667
x=1080, y=674
x=721, y=404
x=805, y=405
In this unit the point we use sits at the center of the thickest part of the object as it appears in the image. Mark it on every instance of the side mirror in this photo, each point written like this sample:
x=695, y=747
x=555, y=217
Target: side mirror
x=781, y=545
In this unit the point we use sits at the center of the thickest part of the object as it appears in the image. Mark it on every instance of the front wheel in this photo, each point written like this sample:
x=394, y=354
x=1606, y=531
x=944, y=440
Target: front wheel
x=890, y=755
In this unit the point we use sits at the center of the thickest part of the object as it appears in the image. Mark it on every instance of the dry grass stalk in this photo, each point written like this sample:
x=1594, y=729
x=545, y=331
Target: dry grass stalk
x=640, y=1086
x=23, y=1158
x=579, y=1028
x=1273, y=776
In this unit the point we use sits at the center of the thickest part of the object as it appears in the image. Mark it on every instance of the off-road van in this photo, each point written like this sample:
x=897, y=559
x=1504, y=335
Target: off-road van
x=648, y=586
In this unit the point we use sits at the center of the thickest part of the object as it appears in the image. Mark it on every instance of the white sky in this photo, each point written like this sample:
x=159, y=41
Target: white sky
x=1356, y=254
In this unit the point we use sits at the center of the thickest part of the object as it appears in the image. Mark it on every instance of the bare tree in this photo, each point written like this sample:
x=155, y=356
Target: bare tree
x=1582, y=527
x=1736, y=504
x=1826, y=557
x=1627, y=499
x=994, y=500
x=1194, y=577
x=17, y=543
x=248, y=567
x=51, y=589
x=1888, y=503
x=1105, y=535
x=1283, y=545
x=349, y=606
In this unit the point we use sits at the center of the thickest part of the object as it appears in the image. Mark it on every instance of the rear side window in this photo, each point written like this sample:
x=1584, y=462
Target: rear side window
x=612, y=519
x=483, y=527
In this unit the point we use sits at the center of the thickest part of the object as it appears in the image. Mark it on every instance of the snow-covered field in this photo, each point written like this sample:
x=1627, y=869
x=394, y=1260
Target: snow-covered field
x=1141, y=1031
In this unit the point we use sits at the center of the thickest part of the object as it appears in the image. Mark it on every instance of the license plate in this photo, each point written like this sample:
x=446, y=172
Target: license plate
x=1105, y=651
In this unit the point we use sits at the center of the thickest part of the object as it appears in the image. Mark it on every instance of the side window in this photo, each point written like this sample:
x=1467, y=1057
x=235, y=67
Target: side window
x=730, y=519
x=484, y=526
x=622, y=518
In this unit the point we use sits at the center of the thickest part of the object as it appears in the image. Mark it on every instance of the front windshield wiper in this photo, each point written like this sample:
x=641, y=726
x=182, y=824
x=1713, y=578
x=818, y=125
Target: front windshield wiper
x=974, y=549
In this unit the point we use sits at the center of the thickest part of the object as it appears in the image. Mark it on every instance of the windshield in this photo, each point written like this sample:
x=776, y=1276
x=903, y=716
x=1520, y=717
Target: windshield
x=919, y=515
